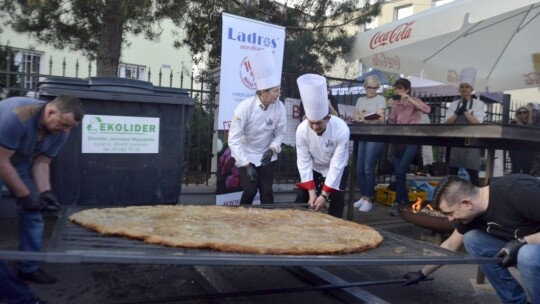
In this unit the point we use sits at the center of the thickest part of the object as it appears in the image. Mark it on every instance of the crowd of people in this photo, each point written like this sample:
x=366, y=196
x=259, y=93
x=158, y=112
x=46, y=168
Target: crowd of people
x=500, y=219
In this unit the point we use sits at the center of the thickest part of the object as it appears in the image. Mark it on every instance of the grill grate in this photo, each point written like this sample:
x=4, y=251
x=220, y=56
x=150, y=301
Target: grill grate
x=79, y=244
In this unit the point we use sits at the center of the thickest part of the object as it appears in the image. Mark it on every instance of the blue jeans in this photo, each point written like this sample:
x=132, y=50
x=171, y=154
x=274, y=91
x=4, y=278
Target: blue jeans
x=481, y=244
x=368, y=155
x=30, y=223
x=12, y=290
x=401, y=166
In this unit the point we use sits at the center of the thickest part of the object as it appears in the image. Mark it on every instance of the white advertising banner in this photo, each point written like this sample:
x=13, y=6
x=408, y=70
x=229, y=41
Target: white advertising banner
x=241, y=36
x=120, y=134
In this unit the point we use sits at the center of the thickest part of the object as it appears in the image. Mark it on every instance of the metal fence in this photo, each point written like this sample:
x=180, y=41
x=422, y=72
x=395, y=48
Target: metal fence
x=200, y=130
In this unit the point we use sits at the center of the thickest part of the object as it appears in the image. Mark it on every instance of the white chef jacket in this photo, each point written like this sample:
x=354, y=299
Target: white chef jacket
x=477, y=109
x=254, y=130
x=327, y=154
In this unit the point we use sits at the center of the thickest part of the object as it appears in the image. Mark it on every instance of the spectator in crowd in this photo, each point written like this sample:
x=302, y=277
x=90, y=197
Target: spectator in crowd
x=370, y=109
x=31, y=135
x=501, y=219
x=466, y=110
x=257, y=130
x=322, y=149
x=534, y=120
x=405, y=109
x=522, y=159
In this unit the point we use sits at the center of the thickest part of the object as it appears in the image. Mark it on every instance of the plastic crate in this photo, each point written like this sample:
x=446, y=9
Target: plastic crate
x=387, y=197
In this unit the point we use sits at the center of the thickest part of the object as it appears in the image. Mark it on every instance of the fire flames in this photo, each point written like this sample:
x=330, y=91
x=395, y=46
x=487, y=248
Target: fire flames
x=416, y=207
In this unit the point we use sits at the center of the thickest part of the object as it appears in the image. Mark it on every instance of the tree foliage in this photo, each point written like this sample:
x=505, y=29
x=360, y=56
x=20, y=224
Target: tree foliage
x=317, y=31
x=97, y=28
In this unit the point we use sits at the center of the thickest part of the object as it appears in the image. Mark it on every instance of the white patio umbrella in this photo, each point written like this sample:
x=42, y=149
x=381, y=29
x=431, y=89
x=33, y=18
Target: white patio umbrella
x=500, y=38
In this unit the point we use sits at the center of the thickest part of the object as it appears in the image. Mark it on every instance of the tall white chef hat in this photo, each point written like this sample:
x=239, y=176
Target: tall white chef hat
x=263, y=66
x=314, y=96
x=467, y=75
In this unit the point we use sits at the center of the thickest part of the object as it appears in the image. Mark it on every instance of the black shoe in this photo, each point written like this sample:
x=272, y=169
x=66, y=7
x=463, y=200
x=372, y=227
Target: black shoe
x=39, y=277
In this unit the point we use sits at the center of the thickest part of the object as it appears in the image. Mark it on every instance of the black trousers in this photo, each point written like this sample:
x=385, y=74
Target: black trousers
x=263, y=184
x=337, y=199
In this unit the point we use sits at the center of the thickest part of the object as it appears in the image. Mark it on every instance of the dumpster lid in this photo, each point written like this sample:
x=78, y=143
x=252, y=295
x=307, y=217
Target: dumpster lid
x=113, y=88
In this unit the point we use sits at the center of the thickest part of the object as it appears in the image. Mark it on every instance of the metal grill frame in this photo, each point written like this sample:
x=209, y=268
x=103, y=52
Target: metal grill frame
x=71, y=243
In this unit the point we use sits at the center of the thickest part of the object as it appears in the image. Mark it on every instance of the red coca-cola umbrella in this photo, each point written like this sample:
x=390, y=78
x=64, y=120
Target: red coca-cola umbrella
x=499, y=38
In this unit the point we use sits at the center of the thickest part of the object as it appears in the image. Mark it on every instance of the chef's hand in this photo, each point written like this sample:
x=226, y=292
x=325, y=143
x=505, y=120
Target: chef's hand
x=413, y=277
x=29, y=203
x=267, y=157
x=510, y=251
x=252, y=173
x=318, y=204
x=49, y=202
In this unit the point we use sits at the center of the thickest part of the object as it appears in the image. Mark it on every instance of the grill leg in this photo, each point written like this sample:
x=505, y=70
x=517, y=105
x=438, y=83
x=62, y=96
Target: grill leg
x=480, y=277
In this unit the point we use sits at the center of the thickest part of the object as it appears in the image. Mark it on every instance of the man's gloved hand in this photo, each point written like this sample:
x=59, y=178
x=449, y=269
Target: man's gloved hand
x=49, y=202
x=267, y=157
x=29, y=203
x=252, y=173
x=413, y=277
x=510, y=251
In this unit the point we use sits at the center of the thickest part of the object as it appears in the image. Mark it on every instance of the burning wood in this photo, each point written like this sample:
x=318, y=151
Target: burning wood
x=428, y=209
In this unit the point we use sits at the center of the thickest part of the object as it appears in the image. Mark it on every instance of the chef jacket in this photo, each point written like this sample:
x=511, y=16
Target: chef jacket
x=466, y=157
x=327, y=154
x=253, y=130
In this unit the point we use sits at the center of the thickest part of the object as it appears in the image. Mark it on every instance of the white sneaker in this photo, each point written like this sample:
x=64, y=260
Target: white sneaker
x=359, y=203
x=366, y=206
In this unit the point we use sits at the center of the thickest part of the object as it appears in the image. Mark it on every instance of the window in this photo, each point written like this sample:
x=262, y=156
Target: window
x=372, y=24
x=441, y=2
x=29, y=63
x=403, y=11
x=132, y=71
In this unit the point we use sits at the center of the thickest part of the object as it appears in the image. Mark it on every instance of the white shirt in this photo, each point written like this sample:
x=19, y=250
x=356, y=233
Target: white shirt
x=254, y=130
x=371, y=105
x=327, y=154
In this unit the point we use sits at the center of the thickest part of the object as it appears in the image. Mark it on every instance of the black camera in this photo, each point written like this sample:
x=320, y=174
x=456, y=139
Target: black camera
x=396, y=97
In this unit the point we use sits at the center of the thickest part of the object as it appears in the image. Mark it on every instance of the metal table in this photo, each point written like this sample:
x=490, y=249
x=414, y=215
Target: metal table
x=487, y=136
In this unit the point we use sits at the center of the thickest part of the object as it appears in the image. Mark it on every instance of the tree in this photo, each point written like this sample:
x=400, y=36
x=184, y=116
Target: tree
x=95, y=27
x=317, y=31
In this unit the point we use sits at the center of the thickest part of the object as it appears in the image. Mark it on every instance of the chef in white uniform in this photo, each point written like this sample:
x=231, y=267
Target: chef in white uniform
x=466, y=110
x=322, y=149
x=257, y=130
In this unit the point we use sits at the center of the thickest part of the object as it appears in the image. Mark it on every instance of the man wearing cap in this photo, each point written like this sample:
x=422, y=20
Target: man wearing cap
x=322, y=149
x=502, y=220
x=466, y=110
x=257, y=130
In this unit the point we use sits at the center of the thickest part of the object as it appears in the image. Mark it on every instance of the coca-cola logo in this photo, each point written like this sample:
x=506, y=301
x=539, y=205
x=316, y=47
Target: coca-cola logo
x=452, y=76
x=531, y=78
x=401, y=32
x=384, y=61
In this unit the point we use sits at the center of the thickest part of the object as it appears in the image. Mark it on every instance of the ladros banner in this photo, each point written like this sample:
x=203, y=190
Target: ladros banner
x=240, y=36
